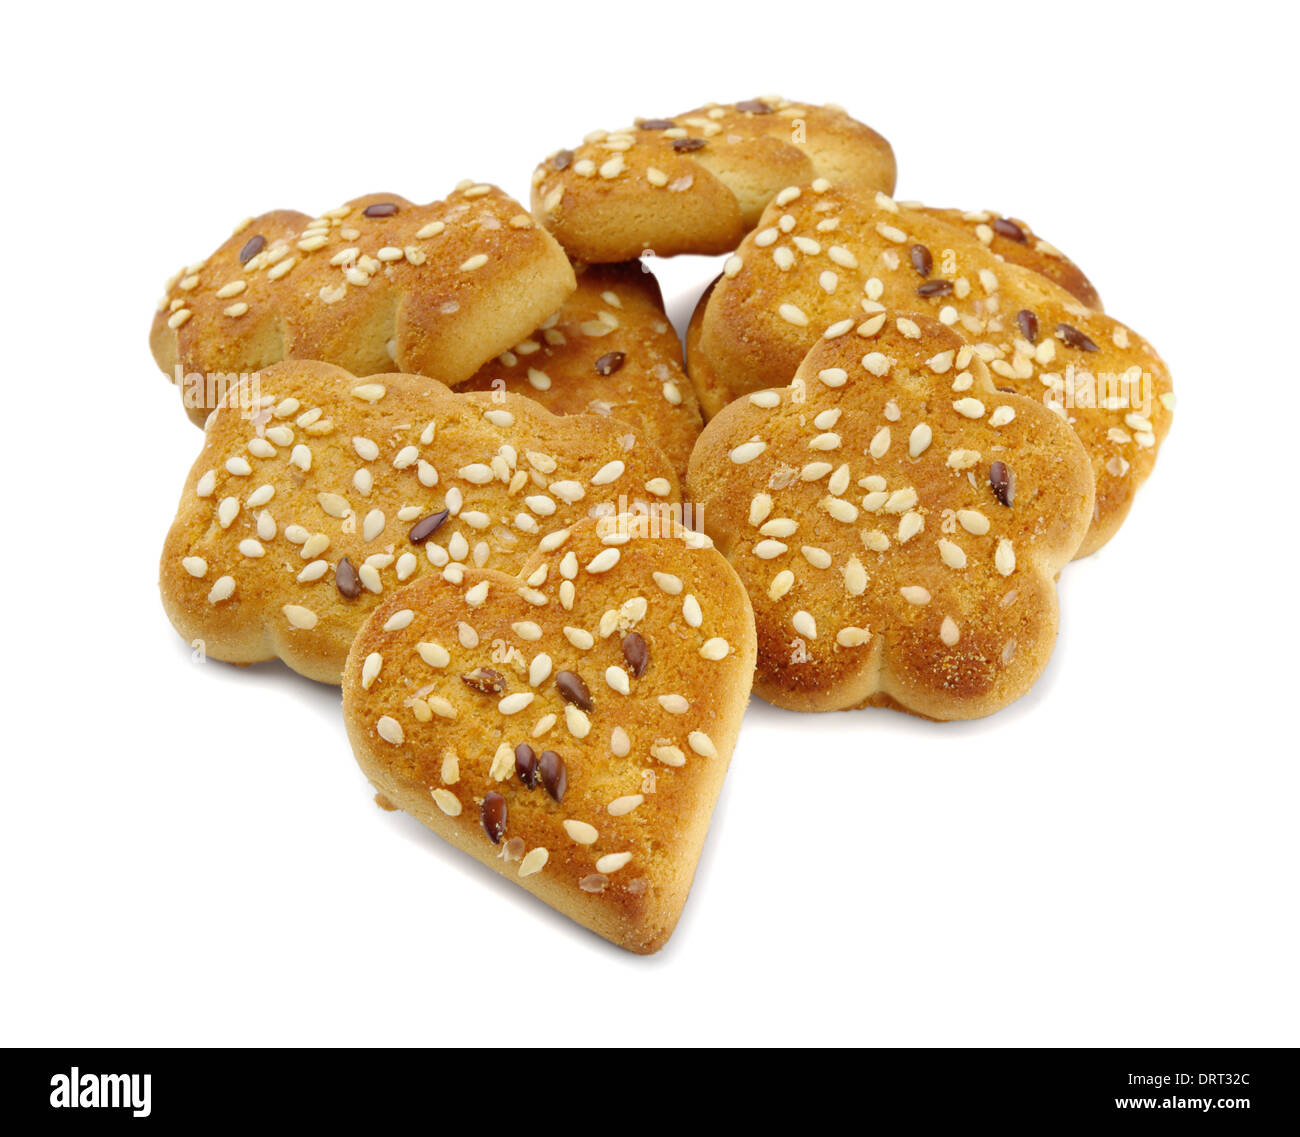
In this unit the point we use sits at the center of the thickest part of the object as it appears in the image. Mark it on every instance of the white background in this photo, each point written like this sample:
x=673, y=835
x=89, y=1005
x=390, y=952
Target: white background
x=188, y=852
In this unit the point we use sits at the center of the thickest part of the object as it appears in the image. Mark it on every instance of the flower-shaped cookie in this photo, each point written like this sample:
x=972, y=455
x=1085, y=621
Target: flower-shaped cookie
x=375, y=285
x=609, y=350
x=696, y=182
x=898, y=523
x=317, y=491
x=1015, y=241
x=827, y=260
x=569, y=726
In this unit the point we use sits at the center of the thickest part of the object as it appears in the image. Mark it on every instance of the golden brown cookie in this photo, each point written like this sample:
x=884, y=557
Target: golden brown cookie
x=569, y=726
x=1013, y=240
x=609, y=350
x=377, y=284
x=697, y=182
x=317, y=491
x=898, y=523
x=828, y=261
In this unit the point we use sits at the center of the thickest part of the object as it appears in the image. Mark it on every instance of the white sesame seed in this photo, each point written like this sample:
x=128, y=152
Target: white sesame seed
x=447, y=801
x=577, y=721
x=715, y=648
x=399, y=620
x=747, y=451
x=299, y=616
x=603, y=561
x=223, y=589
x=515, y=702
x=612, y=862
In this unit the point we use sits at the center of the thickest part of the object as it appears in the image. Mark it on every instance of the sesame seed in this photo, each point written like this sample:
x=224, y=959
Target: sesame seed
x=612, y=862
x=951, y=554
x=478, y=260
x=715, y=648
x=299, y=616
x=1004, y=559
x=915, y=594
x=948, y=631
x=390, y=730
x=580, y=831
x=609, y=472
x=603, y=561
x=399, y=620
x=370, y=669
x=533, y=862
x=447, y=801
x=577, y=721
x=513, y=703
x=667, y=754
x=804, y=624
x=781, y=584
x=792, y=315
x=969, y=407
x=747, y=451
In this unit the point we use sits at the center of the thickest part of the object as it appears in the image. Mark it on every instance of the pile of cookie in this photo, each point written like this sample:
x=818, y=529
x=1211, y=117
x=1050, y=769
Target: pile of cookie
x=455, y=460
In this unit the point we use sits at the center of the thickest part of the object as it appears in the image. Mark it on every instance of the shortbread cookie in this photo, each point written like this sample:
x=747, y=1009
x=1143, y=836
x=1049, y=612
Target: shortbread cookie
x=827, y=262
x=569, y=726
x=898, y=523
x=317, y=491
x=609, y=350
x=697, y=182
x=1013, y=240
x=377, y=284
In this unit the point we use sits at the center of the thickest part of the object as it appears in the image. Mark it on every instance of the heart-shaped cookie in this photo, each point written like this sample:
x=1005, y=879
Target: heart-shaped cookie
x=317, y=491
x=569, y=726
x=899, y=523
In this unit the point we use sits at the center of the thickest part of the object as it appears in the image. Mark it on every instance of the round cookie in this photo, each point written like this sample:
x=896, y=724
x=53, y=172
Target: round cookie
x=376, y=284
x=828, y=261
x=568, y=726
x=609, y=350
x=316, y=492
x=898, y=523
x=697, y=182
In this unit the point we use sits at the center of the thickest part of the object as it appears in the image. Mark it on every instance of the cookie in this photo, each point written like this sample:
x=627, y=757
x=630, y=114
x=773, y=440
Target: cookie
x=317, y=492
x=568, y=726
x=827, y=261
x=375, y=285
x=609, y=350
x=898, y=523
x=1013, y=240
x=696, y=183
